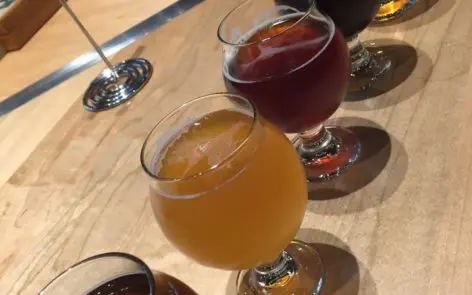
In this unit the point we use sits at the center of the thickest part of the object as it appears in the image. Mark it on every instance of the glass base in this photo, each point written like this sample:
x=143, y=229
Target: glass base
x=362, y=78
x=390, y=10
x=344, y=151
x=307, y=279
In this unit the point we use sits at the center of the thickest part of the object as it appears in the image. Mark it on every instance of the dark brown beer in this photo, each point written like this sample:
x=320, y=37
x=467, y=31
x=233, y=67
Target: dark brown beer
x=350, y=16
x=134, y=284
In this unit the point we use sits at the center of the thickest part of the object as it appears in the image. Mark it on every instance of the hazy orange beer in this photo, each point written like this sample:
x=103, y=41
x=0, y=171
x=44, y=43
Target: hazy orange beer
x=228, y=189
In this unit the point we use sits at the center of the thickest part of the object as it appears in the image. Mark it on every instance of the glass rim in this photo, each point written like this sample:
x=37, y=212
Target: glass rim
x=220, y=163
x=301, y=19
x=147, y=270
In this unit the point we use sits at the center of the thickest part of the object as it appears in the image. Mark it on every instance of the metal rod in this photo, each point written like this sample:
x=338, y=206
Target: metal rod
x=89, y=38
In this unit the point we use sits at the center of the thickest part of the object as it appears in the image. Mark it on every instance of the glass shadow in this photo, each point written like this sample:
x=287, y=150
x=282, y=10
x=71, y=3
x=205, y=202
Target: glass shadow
x=428, y=10
x=411, y=69
x=376, y=176
x=344, y=274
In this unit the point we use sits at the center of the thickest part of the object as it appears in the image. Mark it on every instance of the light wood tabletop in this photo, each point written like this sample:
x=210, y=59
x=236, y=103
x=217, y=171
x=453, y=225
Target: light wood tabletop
x=60, y=40
x=57, y=43
x=398, y=222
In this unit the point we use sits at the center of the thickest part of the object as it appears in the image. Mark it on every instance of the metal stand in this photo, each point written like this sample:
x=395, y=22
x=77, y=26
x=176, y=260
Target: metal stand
x=116, y=84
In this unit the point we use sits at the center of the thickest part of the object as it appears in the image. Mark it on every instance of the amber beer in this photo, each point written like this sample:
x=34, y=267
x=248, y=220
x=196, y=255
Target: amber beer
x=230, y=191
x=392, y=8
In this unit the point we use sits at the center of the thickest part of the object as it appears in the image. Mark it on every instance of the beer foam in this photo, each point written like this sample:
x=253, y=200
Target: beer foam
x=167, y=140
x=231, y=53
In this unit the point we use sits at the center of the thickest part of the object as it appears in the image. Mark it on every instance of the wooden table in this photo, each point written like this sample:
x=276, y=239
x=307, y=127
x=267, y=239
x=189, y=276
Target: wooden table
x=57, y=43
x=398, y=222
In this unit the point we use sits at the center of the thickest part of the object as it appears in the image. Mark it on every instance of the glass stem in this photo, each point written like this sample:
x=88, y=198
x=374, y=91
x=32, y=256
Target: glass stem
x=277, y=273
x=317, y=143
x=360, y=56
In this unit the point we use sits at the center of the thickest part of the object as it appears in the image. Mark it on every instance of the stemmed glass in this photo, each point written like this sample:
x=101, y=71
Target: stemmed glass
x=103, y=274
x=228, y=190
x=390, y=9
x=352, y=17
x=293, y=65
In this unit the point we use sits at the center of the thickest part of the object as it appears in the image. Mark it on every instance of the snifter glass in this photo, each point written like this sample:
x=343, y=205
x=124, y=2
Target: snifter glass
x=368, y=63
x=244, y=199
x=293, y=64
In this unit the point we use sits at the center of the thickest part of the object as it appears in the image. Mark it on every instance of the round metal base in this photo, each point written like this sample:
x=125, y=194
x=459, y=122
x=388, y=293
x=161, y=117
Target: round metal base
x=106, y=91
x=307, y=280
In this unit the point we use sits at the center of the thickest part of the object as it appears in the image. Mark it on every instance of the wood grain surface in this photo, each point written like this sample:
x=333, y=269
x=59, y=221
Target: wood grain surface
x=398, y=222
x=60, y=40
x=57, y=43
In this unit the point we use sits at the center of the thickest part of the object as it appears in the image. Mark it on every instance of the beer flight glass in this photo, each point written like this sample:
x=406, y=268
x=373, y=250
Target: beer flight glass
x=228, y=190
x=294, y=66
x=352, y=17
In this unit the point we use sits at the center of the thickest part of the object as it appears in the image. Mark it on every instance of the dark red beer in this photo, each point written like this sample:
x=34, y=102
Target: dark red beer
x=294, y=72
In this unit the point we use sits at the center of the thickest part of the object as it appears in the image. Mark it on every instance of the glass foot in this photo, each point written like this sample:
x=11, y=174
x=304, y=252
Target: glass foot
x=376, y=65
x=306, y=279
x=343, y=151
x=392, y=9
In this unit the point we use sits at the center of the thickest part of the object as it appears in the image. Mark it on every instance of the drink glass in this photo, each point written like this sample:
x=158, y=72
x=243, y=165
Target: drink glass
x=293, y=65
x=390, y=9
x=352, y=17
x=104, y=274
x=228, y=190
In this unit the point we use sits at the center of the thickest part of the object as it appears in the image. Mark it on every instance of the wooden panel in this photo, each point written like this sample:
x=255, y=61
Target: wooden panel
x=23, y=20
